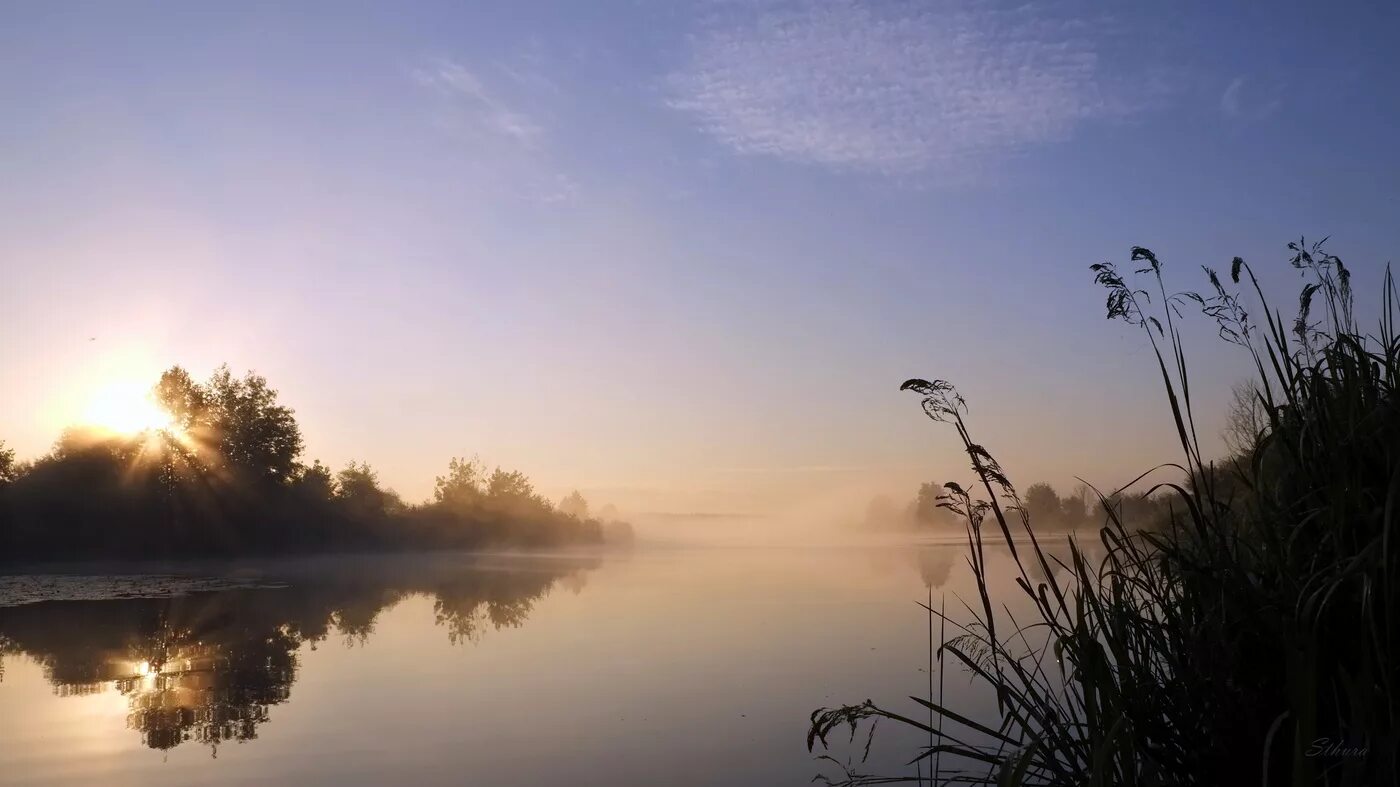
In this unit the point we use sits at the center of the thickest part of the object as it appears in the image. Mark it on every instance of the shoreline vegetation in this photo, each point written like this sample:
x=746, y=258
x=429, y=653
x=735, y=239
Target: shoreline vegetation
x=1251, y=639
x=1082, y=509
x=225, y=478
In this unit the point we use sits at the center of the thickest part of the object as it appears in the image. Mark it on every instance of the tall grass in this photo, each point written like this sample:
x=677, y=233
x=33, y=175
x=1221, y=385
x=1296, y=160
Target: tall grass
x=1252, y=640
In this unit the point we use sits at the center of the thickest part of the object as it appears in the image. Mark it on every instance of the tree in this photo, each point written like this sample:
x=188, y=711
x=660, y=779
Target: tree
x=316, y=482
x=881, y=512
x=254, y=433
x=184, y=399
x=224, y=478
x=236, y=422
x=615, y=531
x=1075, y=508
x=7, y=464
x=509, y=486
x=574, y=505
x=1042, y=504
x=460, y=489
x=926, y=505
x=1246, y=419
x=358, y=488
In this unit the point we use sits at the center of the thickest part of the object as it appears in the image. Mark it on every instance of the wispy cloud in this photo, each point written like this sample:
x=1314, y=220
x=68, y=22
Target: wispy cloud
x=499, y=115
x=476, y=106
x=897, y=89
x=1239, y=102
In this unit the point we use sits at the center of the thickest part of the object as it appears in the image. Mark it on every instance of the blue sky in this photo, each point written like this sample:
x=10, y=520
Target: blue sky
x=678, y=255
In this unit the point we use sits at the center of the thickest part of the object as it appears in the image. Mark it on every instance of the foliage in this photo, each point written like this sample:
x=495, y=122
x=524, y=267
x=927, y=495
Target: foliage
x=237, y=420
x=461, y=487
x=881, y=513
x=316, y=482
x=357, y=488
x=7, y=464
x=927, y=509
x=1045, y=506
x=226, y=478
x=1249, y=641
x=1042, y=504
x=1245, y=421
x=253, y=433
x=574, y=505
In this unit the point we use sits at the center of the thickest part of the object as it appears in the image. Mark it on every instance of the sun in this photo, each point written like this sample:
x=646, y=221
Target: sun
x=125, y=408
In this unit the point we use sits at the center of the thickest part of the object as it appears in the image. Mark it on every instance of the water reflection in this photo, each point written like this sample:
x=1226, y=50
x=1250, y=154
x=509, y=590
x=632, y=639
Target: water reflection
x=935, y=561
x=935, y=564
x=207, y=667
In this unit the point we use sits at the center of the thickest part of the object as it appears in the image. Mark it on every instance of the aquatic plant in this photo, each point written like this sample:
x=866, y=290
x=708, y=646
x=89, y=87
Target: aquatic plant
x=1252, y=640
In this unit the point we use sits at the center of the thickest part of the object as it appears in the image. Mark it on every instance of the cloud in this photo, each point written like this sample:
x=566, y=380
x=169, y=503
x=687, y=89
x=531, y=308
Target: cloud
x=899, y=89
x=1230, y=99
x=1238, y=105
x=476, y=107
x=495, y=116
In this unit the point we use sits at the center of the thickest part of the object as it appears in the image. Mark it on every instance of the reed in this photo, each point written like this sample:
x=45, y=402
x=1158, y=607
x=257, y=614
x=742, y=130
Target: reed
x=1249, y=640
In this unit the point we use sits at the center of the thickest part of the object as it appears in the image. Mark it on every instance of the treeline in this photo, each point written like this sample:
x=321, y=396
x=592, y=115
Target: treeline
x=1046, y=508
x=226, y=477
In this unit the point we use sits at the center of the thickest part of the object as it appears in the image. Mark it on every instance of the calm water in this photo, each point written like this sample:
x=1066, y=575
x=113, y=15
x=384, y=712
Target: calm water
x=662, y=666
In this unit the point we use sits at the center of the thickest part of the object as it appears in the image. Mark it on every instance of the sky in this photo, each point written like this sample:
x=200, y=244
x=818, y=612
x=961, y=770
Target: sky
x=679, y=256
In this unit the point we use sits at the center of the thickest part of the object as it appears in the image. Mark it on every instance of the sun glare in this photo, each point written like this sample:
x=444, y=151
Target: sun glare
x=125, y=408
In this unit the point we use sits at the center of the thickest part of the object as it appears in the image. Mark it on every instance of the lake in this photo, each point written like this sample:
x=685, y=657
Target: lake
x=674, y=665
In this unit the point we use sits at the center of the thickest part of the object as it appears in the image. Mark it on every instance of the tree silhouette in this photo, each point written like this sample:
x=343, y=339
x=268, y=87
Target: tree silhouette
x=574, y=505
x=255, y=434
x=460, y=490
x=1245, y=420
x=1075, y=508
x=927, y=508
x=225, y=478
x=7, y=464
x=316, y=482
x=184, y=399
x=510, y=486
x=882, y=512
x=357, y=486
x=1042, y=504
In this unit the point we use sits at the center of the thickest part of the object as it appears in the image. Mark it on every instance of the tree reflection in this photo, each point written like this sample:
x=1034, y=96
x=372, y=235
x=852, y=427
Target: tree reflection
x=935, y=564
x=208, y=667
x=208, y=692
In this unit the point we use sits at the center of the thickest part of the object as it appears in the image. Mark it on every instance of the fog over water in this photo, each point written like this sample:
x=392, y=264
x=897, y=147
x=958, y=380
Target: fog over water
x=487, y=669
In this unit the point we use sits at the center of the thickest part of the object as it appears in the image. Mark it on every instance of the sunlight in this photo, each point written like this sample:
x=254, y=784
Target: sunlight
x=125, y=407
